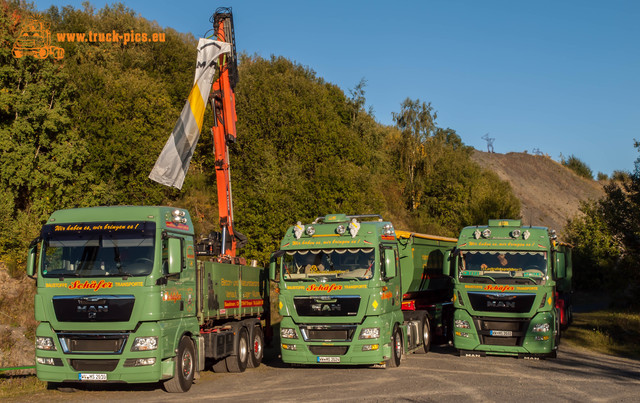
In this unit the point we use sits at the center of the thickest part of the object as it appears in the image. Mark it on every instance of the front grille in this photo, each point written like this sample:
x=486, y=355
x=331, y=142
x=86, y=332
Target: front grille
x=93, y=343
x=329, y=350
x=501, y=302
x=517, y=327
x=328, y=332
x=323, y=305
x=94, y=365
x=90, y=308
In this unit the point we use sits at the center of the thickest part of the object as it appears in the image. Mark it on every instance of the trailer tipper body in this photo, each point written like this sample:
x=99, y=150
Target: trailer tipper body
x=343, y=282
x=122, y=297
x=512, y=289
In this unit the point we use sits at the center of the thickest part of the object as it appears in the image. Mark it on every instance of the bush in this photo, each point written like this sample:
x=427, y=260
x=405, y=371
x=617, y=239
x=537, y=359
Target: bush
x=579, y=167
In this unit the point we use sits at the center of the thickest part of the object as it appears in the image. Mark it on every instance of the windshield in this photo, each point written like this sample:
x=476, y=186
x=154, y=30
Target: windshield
x=334, y=264
x=98, y=249
x=503, y=267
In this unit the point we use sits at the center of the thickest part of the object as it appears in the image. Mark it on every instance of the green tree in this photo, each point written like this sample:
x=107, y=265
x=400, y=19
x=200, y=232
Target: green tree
x=444, y=190
x=607, y=239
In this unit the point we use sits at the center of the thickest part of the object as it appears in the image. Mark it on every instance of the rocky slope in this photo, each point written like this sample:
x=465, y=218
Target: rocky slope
x=549, y=192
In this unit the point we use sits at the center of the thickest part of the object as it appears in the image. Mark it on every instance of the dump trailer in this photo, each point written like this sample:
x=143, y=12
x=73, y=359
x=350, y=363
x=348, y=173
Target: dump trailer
x=352, y=290
x=512, y=290
x=122, y=296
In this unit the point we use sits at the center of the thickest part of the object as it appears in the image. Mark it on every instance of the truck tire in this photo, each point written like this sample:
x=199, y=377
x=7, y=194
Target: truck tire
x=257, y=348
x=220, y=366
x=185, y=368
x=238, y=362
x=396, y=349
x=426, y=337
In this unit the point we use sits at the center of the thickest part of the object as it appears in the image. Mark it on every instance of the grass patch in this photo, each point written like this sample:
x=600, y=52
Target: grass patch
x=608, y=332
x=12, y=386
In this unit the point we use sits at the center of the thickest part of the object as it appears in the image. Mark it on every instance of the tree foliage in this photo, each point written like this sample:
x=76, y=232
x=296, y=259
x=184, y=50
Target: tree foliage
x=607, y=238
x=443, y=189
x=85, y=130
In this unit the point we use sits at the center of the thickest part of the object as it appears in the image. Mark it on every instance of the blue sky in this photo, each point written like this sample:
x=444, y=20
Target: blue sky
x=559, y=76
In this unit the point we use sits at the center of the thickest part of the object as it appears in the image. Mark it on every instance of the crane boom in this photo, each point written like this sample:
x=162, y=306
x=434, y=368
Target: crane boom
x=223, y=104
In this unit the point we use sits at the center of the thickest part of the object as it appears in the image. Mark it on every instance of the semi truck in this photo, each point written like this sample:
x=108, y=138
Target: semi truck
x=512, y=290
x=353, y=290
x=123, y=296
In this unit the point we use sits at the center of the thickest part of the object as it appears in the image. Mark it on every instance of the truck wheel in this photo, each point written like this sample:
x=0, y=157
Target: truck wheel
x=396, y=349
x=238, y=362
x=257, y=348
x=426, y=337
x=184, y=368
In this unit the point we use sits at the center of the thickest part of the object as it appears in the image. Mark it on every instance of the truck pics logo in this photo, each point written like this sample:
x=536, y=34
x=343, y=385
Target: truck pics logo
x=34, y=40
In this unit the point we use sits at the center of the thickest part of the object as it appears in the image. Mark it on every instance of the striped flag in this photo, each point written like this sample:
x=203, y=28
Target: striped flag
x=173, y=162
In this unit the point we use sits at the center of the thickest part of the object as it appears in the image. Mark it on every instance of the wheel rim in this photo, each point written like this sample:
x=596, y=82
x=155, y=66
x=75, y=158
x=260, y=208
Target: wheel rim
x=257, y=347
x=398, y=345
x=242, y=349
x=187, y=364
x=425, y=334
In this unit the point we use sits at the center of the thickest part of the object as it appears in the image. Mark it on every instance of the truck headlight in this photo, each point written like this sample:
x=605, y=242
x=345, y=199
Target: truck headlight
x=288, y=333
x=462, y=324
x=45, y=343
x=541, y=328
x=145, y=343
x=370, y=333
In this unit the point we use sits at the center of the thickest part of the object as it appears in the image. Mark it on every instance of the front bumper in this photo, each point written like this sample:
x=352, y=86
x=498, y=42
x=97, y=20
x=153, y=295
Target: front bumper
x=91, y=366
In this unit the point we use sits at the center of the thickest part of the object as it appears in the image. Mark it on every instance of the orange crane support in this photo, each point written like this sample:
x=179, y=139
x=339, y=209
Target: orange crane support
x=223, y=103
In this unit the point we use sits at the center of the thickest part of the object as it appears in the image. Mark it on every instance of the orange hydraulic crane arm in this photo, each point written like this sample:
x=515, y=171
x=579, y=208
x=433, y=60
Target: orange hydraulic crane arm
x=223, y=104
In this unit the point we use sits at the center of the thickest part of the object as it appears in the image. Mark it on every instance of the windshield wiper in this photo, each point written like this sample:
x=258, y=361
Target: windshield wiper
x=481, y=277
x=526, y=278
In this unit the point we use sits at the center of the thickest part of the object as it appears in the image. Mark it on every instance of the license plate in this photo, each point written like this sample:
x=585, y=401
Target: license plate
x=328, y=359
x=92, y=377
x=504, y=333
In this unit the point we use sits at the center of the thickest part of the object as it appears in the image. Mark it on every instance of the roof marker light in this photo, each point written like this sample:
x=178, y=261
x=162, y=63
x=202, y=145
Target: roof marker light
x=486, y=233
x=310, y=230
x=354, y=227
x=298, y=229
x=515, y=233
x=340, y=229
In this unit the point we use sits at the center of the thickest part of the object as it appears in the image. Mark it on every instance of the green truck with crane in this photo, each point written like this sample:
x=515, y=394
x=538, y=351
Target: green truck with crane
x=122, y=297
x=353, y=290
x=512, y=290
x=126, y=294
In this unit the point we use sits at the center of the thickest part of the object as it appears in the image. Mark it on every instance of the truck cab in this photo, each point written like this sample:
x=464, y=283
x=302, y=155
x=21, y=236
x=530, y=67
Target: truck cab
x=341, y=282
x=122, y=297
x=508, y=281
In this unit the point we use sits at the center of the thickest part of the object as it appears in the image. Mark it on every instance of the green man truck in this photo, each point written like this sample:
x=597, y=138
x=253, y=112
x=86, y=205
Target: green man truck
x=512, y=290
x=352, y=290
x=122, y=296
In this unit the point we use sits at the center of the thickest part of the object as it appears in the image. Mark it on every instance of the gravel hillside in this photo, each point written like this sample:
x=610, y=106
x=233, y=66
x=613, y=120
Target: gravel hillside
x=549, y=192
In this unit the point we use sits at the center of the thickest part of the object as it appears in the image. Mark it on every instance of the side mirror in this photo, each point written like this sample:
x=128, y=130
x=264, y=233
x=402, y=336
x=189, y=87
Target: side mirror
x=561, y=271
x=32, y=257
x=272, y=270
x=446, y=263
x=390, y=263
x=175, y=255
x=273, y=264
